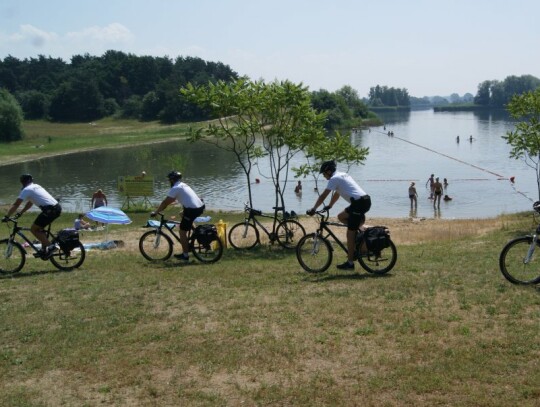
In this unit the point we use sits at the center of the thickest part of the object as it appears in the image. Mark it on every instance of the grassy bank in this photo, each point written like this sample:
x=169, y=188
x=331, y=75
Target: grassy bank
x=443, y=328
x=43, y=138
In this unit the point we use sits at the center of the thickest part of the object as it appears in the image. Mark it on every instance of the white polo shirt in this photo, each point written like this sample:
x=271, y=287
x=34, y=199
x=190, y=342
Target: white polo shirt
x=345, y=186
x=185, y=195
x=37, y=195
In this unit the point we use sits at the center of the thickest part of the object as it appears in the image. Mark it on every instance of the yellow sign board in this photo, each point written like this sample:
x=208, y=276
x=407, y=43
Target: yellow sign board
x=136, y=185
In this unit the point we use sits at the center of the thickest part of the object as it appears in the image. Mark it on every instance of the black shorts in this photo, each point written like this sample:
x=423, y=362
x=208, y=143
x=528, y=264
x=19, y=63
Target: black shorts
x=48, y=215
x=356, y=211
x=189, y=216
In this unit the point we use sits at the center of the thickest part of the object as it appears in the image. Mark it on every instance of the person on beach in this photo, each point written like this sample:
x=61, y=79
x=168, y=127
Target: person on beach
x=80, y=223
x=437, y=192
x=98, y=199
x=413, y=195
x=431, y=182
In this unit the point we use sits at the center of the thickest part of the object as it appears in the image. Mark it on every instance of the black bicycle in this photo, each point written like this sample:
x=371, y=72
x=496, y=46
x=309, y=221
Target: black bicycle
x=285, y=229
x=375, y=251
x=519, y=260
x=204, y=242
x=69, y=253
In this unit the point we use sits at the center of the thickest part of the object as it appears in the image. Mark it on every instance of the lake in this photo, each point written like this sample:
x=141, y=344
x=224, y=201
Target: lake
x=423, y=142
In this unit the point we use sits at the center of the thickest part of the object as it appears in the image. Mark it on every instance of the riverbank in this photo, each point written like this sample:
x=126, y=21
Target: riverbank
x=45, y=139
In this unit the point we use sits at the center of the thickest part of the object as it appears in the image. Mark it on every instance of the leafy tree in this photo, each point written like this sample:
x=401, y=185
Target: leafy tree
x=11, y=117
x=34, y=104
x=132, y=108
x=256, y=120
x=525, y=139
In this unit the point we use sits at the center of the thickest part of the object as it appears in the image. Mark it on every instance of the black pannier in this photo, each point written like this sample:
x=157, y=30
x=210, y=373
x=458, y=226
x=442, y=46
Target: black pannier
x=377, y=238
x=68, y=239
x=205, y=234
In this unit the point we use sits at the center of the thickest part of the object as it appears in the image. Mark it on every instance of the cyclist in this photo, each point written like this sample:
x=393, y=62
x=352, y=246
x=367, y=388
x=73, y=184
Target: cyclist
x=342, y=184
x=50, y=211
x=193, y=207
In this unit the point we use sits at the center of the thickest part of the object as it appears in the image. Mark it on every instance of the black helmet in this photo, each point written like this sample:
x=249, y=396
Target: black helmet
x=26, y=179
x=174, y=175
x=328, y=166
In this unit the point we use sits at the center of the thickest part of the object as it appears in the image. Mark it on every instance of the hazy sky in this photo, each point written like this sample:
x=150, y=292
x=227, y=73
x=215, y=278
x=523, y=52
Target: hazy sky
x=430, y=47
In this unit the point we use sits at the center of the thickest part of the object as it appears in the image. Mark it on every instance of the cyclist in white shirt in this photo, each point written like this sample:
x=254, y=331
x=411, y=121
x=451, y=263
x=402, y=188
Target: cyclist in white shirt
x=193, y=207
x=35, y=194
x=342, y=184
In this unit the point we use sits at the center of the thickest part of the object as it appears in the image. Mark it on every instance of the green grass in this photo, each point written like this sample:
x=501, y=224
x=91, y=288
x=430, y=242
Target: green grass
x=443, y=328
x=45, y=138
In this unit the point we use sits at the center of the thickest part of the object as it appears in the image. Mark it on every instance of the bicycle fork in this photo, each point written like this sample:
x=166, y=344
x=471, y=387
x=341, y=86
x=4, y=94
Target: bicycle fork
x=316, y=244
x=530, y=252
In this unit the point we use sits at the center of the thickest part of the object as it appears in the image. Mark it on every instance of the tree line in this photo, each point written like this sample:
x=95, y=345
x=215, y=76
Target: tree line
x=494, y=93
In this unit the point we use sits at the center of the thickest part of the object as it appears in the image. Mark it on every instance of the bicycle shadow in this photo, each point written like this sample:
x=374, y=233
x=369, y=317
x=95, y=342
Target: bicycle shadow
x=323, y=277
x=25, y=274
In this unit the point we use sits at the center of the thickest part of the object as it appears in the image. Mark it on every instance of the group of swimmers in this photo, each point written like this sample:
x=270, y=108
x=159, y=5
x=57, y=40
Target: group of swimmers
x=436, y=189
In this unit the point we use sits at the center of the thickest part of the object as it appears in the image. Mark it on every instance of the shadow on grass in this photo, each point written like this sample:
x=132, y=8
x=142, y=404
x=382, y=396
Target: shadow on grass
x=23, y=274
x=323, y=277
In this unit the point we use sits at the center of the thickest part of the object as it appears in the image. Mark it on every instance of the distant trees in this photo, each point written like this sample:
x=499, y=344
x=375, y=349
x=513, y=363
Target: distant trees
x=91, y=87
x=343, y=108
x=380, y=96
x=494, y=93
x=10, y=117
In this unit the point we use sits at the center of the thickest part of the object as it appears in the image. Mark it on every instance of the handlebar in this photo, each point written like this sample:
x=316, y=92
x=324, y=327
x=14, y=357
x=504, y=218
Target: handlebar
x=323, y=213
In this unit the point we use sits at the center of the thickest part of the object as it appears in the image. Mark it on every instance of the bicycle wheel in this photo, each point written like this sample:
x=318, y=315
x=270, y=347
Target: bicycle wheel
x=314, y=253
x=12, y=257
x=155, y=246
x=289, y=232
x=514, y=264
x=381, y=262
x=69, y=260
x=243, y=236
x=208, y=252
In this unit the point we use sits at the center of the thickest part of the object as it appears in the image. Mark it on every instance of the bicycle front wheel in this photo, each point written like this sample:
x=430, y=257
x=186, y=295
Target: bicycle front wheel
x=207, y=252
x=69, y=260
x=12, y=257
x=314, y=253
x=243, y=236
x=289, y=232
x=517, y=264
x=155, y=246
x=380, y=262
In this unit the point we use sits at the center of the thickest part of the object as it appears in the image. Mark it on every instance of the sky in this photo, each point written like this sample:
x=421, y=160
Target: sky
x=429, y=47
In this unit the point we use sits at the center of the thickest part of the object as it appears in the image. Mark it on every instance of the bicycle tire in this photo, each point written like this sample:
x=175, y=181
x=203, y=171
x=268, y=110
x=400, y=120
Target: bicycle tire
x=381, y=262
x=207, y=253
x=289, y=232
x=155, y=246
x=12, y=257
x=512, y=265
x=69, y=260
x=243, y=236
x=314, y=253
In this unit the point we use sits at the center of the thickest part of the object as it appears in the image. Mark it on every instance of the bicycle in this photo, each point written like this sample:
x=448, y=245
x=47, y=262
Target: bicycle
x=285, y=230
x=204, y=243
x=315, y=251
x=70, y=253
x=519, y=263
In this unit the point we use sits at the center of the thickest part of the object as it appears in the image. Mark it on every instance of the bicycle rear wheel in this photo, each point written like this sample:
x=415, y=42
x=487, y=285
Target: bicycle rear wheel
x=289, y=232
x=12, y=257
x=155, y=246
x=314, y=253
x=514, y=264
x=243, y=236
x=207, y=252
x=69, y=260
x=380, y=262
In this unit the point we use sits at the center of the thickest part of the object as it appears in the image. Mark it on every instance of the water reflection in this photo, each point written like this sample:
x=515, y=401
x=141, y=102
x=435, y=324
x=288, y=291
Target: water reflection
x=424, y=142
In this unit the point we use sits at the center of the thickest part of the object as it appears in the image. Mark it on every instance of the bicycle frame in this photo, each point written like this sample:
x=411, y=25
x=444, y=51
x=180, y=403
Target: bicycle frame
x=253, y=214
x=532, y=247
x=18, y=231
x=324, y=227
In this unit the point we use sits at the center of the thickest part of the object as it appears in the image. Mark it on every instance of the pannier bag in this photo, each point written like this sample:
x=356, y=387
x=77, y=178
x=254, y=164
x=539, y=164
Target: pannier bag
x=205, y=234
x=68, y=239
x=377, y=238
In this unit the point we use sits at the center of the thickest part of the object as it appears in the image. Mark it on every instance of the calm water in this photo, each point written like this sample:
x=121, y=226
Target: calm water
x=424, y=142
